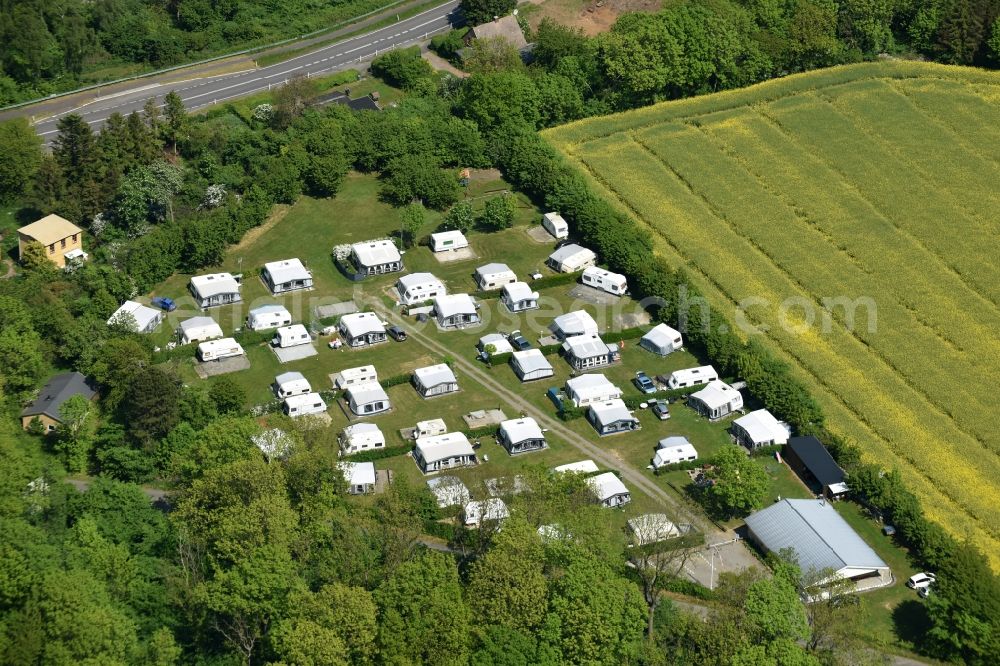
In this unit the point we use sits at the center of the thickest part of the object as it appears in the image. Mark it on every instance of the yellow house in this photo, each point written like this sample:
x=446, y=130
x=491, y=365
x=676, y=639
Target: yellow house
x=62, y=240
x=59, y=389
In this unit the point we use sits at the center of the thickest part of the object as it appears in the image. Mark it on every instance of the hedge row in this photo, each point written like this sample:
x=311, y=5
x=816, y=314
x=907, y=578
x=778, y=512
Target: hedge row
x=380, y=454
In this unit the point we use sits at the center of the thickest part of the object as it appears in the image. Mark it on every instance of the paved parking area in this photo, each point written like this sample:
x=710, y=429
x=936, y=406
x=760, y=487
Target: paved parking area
x=296, y=353
x=593, y=296
x=451, y=256
x=222, y=367
x=540, y=235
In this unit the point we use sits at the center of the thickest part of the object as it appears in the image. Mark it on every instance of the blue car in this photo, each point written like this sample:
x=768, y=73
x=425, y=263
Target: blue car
x=644, y=383
x=164, y=303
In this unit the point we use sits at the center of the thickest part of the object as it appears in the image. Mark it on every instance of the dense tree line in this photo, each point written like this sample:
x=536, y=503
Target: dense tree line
x=51, y=45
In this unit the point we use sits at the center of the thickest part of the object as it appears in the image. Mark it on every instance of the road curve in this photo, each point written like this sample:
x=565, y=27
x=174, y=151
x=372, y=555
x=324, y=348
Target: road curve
x=202, y=92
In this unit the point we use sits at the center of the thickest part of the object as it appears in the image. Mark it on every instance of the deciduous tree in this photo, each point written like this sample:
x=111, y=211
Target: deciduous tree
x=20, y=156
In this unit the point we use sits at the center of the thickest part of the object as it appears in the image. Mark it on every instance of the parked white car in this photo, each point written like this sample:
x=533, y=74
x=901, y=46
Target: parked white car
x=921, y=580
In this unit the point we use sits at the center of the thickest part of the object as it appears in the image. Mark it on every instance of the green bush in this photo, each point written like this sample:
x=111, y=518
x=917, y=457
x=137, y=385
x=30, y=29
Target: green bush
x=449, y=44
x=403, y=68
x=380, y=454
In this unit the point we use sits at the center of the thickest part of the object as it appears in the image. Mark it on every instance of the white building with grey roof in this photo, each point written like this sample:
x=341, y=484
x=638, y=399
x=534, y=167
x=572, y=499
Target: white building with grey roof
x=376, y=257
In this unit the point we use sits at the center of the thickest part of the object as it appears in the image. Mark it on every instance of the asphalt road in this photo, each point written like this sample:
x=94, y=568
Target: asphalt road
x=202, y=92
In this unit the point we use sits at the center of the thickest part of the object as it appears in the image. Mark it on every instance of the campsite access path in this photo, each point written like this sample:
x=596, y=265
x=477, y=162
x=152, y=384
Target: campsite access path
x=723, y=551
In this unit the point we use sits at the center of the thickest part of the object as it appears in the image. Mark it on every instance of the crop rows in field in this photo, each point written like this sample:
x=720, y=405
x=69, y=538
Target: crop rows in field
x=876, y=187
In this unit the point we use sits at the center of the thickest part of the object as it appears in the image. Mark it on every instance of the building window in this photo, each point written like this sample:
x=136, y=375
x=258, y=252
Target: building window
x=52, y=248
x=63, y=242
x=74, y=238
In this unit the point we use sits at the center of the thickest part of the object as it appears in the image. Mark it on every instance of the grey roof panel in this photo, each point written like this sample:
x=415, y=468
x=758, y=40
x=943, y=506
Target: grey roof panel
x=58, y=390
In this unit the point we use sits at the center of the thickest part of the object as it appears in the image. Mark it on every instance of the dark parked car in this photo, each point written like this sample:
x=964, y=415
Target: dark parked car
x=518, y=341
x=644, y=383
x=164, y=303
x=396, y=333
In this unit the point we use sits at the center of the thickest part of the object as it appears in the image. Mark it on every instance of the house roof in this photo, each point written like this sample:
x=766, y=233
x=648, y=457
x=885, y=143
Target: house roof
x=607, y=485
x=435, y=375
x=289, y=377
x=56, y=391
x=214, y=284
x=493, y=269
x=453, y=304
x=49, y=229
x=716, y=394
x=519, y=291
x=519, y=430
x=286, y=270
x=362, y=394
x=662, y=335
x=195, y=323
x=591, y=385
x=448, y=445
x=611, y=411
x=572, y=250
x=143, y=314
x=363, y=432
x=357, y=324
x=358, y=473
x=506, y=27
x=820, y=537
x=817, y=460
x=580, y=467
x=531, y=360
x=578, y=322
x=586, y=346
x=376, y=253
x=761, y=426
x=448, y=491
x=411, y=280
x=500, y=343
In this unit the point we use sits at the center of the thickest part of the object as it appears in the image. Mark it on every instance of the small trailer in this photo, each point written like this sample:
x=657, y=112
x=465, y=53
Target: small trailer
x=268, y=316
x=613, y=283
x=555, y=225
x=215, y=350
x=291, y=336
x=291, y=383
x=302, y=405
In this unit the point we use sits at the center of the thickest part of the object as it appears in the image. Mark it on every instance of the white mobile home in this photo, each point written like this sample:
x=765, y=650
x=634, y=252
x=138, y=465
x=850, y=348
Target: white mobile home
x=589, y=389
x=360, y=437
x=361, y=329
x=354, y=376
x=215, y=350
x=435, y=380
x=448, y=240
x=446, y=451
x=494, y=276
x=758, y=429
x=448, y=491
x=419, y=288
x=580, y=467
x=518, y=297
x=661, y=340
x=652, y=528
x=692, y=377
x=215, y=289
x=578, y=322
x=612, y=283
x=376, y=257
x=303, y=405
x=489, y=510
x=670, y=450
x=199, y=329
x=521, y=435
x=455, y=311
x=555, y=225
x=368, y=399
x=717, y=400
x=268, y=316
x=360, y=476
x=609, y=490
x=571, y=258
x=530, y=365
x=144, y=318
x=499, y=343
x=611, y=418
x=586, y=352
x=291, y=336
x=430, y=428
x=291, y=383
x=286, y=275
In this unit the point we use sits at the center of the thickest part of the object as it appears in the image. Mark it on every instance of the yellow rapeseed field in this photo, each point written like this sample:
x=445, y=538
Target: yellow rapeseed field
x=874, y=184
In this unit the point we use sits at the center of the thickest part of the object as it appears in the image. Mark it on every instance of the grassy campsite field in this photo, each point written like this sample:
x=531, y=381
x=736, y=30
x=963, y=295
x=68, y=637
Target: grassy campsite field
x=875, y=181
